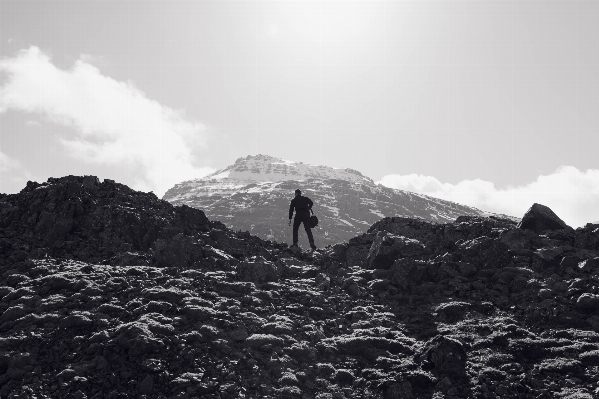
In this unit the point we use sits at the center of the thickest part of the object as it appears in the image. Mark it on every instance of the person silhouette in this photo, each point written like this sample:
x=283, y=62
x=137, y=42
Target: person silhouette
x=303, y=207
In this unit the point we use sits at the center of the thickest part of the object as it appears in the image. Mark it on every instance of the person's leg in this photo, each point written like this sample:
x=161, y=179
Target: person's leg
x=296, y=224
x=306, y=221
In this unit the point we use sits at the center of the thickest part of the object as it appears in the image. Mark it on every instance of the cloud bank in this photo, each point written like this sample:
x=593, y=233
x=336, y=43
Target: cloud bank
x=115, y=123
x=572, y=194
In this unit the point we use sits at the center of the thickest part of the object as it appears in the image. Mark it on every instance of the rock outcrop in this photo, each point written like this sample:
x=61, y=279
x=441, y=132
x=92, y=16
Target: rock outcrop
x=110, y=293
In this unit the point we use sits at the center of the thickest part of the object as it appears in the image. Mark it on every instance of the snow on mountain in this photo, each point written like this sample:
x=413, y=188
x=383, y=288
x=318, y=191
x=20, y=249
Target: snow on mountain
x=253, y=194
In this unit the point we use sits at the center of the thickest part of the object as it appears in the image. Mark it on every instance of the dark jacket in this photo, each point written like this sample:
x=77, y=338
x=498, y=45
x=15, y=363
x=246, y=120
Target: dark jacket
x=301, y=204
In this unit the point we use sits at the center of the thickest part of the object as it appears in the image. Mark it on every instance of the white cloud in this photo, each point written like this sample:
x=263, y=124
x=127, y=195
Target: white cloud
x=572, y=194
x=116, y=123
x=7, y=163
x=33, y=123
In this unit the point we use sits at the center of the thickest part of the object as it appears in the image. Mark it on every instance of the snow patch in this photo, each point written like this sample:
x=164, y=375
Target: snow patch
x=284, y=162
x=377, y=212
x=333, y=209
x=220, y=175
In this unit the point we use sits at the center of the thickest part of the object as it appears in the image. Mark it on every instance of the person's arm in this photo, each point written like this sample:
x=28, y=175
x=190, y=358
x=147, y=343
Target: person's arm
x=310, y=203
x=290, y=210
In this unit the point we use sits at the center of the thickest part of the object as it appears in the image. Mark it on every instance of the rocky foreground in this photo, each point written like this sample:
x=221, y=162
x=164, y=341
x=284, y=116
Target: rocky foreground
x=110, y=293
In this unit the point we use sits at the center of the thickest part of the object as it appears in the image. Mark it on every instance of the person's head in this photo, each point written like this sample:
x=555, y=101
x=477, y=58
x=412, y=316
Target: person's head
x=298, y=192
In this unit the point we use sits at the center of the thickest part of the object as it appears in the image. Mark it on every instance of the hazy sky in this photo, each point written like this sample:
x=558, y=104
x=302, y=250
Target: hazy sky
x=493, y=104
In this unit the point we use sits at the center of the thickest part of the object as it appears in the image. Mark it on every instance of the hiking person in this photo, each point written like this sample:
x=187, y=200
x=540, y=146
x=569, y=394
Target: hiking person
x=303, y=207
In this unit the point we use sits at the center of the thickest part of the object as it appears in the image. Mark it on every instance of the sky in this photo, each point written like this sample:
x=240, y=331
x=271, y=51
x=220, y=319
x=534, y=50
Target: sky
x=492, y=104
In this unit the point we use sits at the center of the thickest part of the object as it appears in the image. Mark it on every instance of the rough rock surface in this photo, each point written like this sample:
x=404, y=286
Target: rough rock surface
x=110, y=293
x=540, y=218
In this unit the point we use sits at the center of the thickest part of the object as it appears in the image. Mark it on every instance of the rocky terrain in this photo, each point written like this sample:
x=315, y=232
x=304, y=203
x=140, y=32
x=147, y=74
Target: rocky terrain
x=110, y=293
x=254, y=193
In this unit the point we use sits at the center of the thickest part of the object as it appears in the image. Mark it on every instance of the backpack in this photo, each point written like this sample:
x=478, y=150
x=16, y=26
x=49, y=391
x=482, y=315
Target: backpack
x=313, y=221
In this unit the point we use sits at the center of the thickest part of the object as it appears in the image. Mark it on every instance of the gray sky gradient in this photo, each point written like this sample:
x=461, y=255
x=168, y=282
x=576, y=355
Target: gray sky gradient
x=499, y=91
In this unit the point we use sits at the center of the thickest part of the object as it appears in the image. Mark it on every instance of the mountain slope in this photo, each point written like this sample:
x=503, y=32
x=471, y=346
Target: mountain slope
x=253, y=195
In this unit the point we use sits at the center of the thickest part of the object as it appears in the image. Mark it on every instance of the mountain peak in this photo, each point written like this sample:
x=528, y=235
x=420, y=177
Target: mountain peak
x=265, y=168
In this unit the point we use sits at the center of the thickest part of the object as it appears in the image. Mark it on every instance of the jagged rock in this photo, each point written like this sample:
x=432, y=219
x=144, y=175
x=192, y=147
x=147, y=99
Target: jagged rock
x=588, y=302
x=358, y=249
x=388, y=247
x=546, y=258
x=590, y=358
x=81, y=218
x=519, y=239
x=540, y=218
x=409, y=273
x=322, y=281
x=484, y=252
x=444, y=356
x=452, y=311
x=568, y=263
x=587, y=237
x=259, y=271
x=263, y=341
x=180, y=251
x=589, y=265
x=131, y=258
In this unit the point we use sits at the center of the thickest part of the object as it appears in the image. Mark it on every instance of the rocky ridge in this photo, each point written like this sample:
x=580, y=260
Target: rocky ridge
x=110, y=293
x=253, y=195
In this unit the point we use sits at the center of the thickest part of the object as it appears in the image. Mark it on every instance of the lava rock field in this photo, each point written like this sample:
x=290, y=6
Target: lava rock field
x=106, y=292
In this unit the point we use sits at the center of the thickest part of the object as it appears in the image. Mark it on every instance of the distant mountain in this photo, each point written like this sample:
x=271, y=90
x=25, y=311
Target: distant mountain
x=253, y=195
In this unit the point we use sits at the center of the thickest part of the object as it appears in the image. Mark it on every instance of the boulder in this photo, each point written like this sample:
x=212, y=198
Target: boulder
x=260, y=271
x=589, y=302
x=540, y=218
x=589, y=265
x=180, y=251
x=387, y=247
x=408, y=273
x=444, y=356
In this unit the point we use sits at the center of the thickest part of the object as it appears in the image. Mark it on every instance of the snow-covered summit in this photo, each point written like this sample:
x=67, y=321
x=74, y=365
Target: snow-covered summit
x=265, y=168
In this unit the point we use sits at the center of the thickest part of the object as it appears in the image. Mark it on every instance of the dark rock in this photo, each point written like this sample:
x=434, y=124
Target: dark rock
x=568, y=262
x=180, y=251
x=357, y=255
x=260, y=271
x=446, y=357
x=171, y=295
x=518, y=239
x=588, y=302
x=386, y=248
x=263, y=341
x=399, y=391
x=590, y=358
x=589, y=265
x=131, y=258
x=344, y=377
x=379, y=284
x=452, y=311
x=540, y=218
